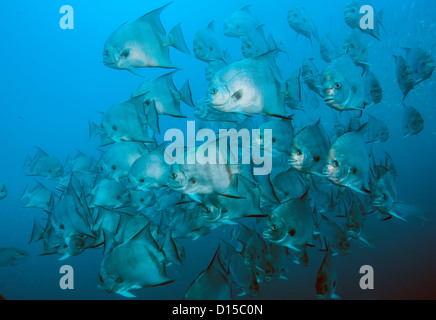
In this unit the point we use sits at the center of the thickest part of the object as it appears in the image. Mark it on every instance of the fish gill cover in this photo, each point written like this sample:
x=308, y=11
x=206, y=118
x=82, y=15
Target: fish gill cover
x=241, y=150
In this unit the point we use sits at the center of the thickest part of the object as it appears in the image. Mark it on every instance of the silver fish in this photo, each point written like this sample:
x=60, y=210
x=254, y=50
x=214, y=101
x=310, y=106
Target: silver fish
x=240, y=23
x=206, y=45
x=149, y=171
x=421, y=63
x=312, y=78
x=143, y=43
x=326, y=279
x=12, y=256
x=353, y=17
x=44, y=165
x=165, y=95
x=347, y=163
x=254, y=43
x=328, y=49
x=356, y=47
x=116, y=161
x=249, y=86
x=413, y=122
x=404, y=73
x=135, y=264
x=39, y=197
x=343, y=85
x=291, y=224
x=301, y=23
x=309, y=148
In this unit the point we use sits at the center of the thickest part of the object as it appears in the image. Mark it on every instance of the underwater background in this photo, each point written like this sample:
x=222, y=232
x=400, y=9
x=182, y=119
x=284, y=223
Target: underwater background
x=53, y=81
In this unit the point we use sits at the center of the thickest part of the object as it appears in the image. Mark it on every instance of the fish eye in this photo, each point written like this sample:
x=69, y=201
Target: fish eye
x=147, y=102
x=385, y=196
x=274, y=227
x=174, y=176
x=337, y=85
x=214, y=91
x=335, y=164
x=299, y=152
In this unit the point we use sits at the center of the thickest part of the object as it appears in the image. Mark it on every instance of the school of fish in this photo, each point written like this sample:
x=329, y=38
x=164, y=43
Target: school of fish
x=325, y=183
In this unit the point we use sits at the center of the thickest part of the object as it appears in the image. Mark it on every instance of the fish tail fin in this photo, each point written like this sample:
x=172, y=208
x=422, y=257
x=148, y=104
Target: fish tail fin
x=186, y=94
x=176, y=39
x=169, y=249
x=37, y=232
x=94, y=130
x=27, y=162
x=406, y=210
x=25, y=194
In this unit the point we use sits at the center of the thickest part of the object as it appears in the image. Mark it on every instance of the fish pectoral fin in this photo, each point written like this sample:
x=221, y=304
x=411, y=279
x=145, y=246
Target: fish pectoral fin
x=126, y=293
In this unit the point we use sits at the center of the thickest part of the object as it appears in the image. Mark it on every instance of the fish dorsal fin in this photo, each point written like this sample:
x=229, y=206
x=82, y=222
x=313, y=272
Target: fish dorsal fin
x=211, y=26
x=246, y=9
x=153, y=18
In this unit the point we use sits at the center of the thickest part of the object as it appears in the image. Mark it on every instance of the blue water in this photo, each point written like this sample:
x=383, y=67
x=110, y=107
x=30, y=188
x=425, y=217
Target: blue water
x=53, y=81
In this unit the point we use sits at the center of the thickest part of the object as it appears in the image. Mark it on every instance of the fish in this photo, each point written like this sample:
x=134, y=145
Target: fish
x=135, y=264
x=11, y=257
x=126, y=121
x=347, y=163
x=39, y=197
x=213, y=67
x=404, y=73
x=291, y=224
x=355, y=214
x=385, y=200
x=211, y=284
x=413, y=122
x=3, y=191
x=300, y=22
x=150, y=171
x=240, y=23
x=249, y=86
x=326, y=279
x=254, y=247
x=356, y=47
x=109, y=193
x=293, y=96
x=69, y=221
x=221, y=209
x=309, y=149
x=165, y=95
x=142, y=199
x=81, y=163
x=312, y=78
x=328, y=49
x=353, y=16
x=289, y=184
x=421, y=63
x=254, y=44
x=336, y=239
x=143, y=43
x=344, y=86
x=377, y=130
x=203, y=177
x=207, y=47
x=186, y=221
x=117, y=160
x=373, y=90
x=276, y=262
x=242, y=276
x=44, y=165
x=282, y=135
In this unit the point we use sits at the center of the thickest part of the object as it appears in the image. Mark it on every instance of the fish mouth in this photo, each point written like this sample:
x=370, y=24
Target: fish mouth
x=328, y=100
